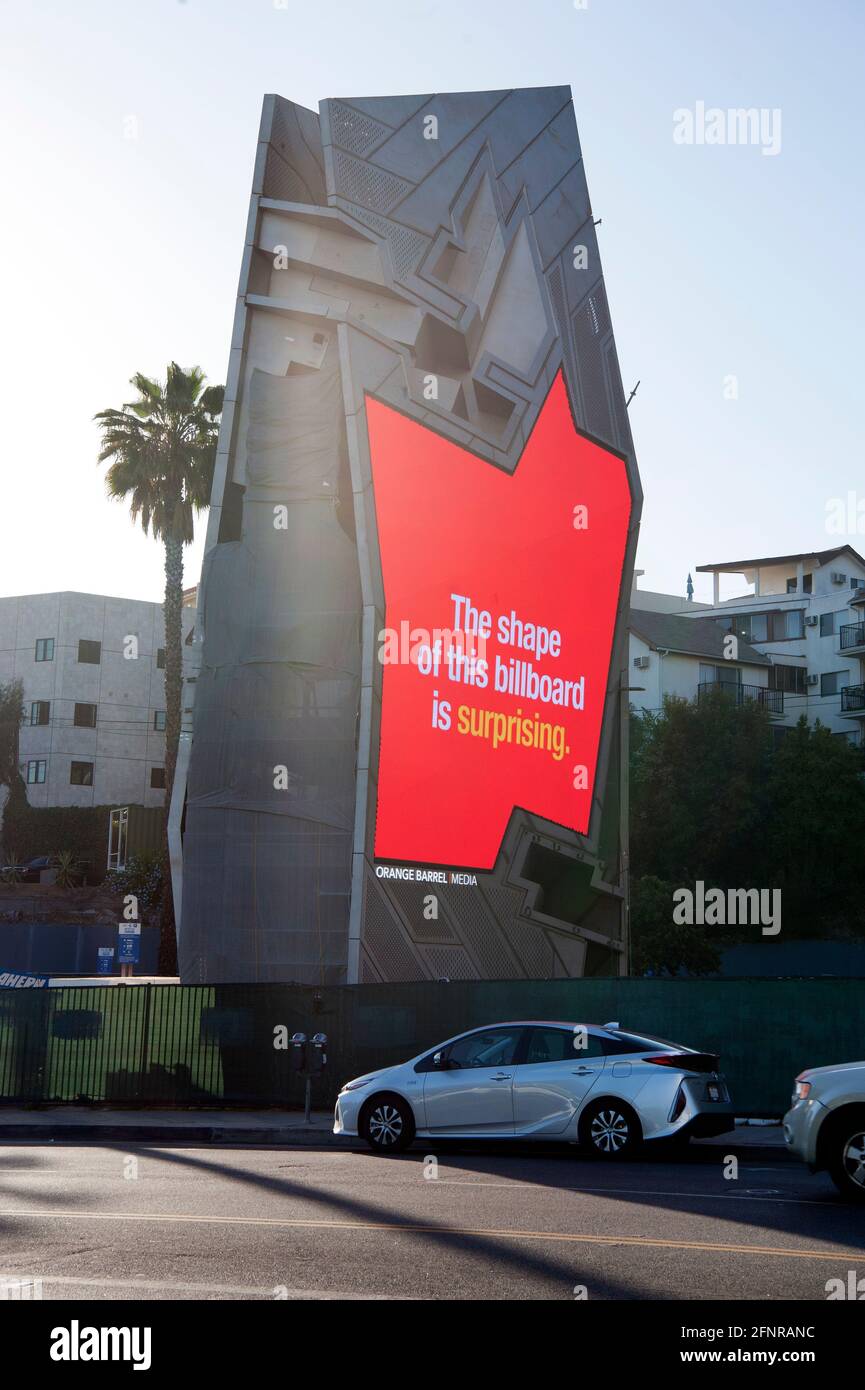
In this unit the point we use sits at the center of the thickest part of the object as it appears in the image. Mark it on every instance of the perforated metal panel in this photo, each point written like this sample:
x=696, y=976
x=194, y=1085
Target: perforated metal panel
x=385, y=941
x=365, y=184
x=353, y=131
x=449, y=964
x=591, y=323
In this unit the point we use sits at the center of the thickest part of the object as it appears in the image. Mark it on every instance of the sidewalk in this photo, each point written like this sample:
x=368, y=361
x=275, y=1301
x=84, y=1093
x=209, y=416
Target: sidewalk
x=77, y=1123
x=70, y=1123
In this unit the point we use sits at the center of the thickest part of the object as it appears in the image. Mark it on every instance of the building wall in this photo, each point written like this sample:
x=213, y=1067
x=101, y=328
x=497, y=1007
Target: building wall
x=675, y=674
x=127, y=690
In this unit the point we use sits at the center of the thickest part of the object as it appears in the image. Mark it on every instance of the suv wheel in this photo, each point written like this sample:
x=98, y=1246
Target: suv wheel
x=847, y=1159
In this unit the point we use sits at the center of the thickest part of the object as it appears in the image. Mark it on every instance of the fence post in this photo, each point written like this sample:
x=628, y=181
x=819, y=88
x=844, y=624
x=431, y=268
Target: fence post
x=145, y=1041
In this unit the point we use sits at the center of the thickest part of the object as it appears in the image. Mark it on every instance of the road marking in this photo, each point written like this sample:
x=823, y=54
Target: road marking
x=565, y=1237
x=628, y=1191
x=247, y=1290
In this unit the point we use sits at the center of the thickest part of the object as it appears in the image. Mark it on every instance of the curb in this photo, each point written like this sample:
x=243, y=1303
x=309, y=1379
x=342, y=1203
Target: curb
x=285, y=1138
x=167, y=1134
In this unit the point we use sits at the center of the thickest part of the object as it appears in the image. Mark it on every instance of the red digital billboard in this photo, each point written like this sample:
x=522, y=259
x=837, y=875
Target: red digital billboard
x=500, y=606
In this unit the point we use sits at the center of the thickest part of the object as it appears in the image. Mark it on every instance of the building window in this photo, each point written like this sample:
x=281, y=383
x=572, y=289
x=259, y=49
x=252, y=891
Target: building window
x=81, y=775
x=827, y=624
x=720, y=675
x=44, y=648
x=785, y=626
x=788, y=678
x=160, y=658
x=157, y=777
x=748, y=627
x=807, y=584
x=159, y=720
x=36, y=769
x=40, y=712
x=855, y=583
x=832, y=681
x=85, y=717
x=89, y=653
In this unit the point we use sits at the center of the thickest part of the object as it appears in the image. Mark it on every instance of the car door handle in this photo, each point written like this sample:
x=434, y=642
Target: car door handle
x=502, y=1076
x=585, y=1071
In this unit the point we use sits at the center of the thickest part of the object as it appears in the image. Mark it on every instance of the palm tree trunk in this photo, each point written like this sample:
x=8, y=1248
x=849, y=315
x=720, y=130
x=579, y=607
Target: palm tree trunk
x=173, y=608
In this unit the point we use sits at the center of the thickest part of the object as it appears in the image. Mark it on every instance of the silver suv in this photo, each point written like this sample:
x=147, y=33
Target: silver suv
x=825, y=1124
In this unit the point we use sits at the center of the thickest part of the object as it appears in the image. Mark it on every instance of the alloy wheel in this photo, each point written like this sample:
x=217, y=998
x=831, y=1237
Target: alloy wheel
x=385, y=1125
x=854, y=1159
x=610, y=1131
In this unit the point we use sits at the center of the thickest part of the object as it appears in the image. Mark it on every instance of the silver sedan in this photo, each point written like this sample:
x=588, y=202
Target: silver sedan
x=597, y=1085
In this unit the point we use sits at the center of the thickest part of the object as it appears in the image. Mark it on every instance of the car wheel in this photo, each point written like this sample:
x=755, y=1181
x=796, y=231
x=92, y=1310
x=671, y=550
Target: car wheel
x=387, y=1124
x=610, y=1129
x=847, y=1159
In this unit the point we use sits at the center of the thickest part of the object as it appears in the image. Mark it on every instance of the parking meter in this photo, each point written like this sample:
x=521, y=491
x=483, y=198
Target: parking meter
x=318, y=1054
x=297, y=1053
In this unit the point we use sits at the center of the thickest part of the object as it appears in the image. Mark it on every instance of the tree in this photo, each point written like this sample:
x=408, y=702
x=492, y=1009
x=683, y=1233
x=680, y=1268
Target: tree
x=817, y=796
x=699, y=791
x=714, y=798
x=163, y=448
x=658, y=945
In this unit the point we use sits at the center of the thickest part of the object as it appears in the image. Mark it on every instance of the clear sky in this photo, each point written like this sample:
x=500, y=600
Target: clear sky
x=128, y=134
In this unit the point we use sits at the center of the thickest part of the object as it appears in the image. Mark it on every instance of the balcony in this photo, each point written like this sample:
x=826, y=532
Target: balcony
x=853, y=700
x=771, y=700
x=852, y=637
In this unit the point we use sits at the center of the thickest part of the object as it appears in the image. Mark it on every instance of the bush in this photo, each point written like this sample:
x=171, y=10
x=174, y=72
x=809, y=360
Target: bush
x=141, y=877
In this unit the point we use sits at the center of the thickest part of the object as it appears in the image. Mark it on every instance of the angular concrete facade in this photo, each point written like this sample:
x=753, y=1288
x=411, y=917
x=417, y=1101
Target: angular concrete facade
x=391, y=242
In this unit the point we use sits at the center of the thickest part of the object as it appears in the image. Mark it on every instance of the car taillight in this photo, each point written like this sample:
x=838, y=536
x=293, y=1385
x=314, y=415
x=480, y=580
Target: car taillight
x=686, y=1061
x=679, y=1106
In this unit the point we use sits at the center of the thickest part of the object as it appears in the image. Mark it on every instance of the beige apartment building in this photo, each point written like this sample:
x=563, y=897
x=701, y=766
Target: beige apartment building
x=92, y=669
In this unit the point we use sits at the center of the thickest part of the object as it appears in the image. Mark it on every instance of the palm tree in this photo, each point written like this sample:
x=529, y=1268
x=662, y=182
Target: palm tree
x=163, y=447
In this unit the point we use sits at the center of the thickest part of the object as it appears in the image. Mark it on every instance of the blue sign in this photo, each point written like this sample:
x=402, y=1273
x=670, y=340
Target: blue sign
x=128, y=943
x=17, y=979
x=105, y=961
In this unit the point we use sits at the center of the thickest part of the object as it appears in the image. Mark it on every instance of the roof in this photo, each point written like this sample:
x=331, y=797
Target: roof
x=689, y=636
x=823, y=557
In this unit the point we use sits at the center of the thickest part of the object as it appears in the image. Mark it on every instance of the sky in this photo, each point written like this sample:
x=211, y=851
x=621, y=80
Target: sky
x=734, y=276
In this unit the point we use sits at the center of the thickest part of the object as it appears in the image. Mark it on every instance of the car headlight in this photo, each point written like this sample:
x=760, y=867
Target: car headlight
x=801, y=1089
x=356, y=1085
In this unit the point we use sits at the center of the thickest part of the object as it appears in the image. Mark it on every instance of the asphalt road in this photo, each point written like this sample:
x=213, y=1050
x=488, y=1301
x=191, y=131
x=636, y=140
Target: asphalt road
x=228, y=1223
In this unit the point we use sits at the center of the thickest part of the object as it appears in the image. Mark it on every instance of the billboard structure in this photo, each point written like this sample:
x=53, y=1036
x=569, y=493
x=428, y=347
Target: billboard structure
x=408, y=736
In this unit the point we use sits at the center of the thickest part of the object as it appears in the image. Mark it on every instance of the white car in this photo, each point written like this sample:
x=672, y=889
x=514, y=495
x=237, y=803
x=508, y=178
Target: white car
x=580, y=1083
x=825, y=1125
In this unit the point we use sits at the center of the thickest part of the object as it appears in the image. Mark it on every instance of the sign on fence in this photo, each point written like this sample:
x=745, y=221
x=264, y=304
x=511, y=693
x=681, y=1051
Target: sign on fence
x=17, y=979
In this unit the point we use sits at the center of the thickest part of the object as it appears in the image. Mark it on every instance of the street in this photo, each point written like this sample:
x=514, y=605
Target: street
x=112, y=1222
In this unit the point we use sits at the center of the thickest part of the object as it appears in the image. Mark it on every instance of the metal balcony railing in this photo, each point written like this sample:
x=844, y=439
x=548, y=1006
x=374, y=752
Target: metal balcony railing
x=852, y=635
x=772, y=700
x=853, y=699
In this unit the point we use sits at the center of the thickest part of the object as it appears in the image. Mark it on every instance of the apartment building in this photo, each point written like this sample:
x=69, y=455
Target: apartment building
x=92, y=669
x=673, y=654
x=804, y=613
